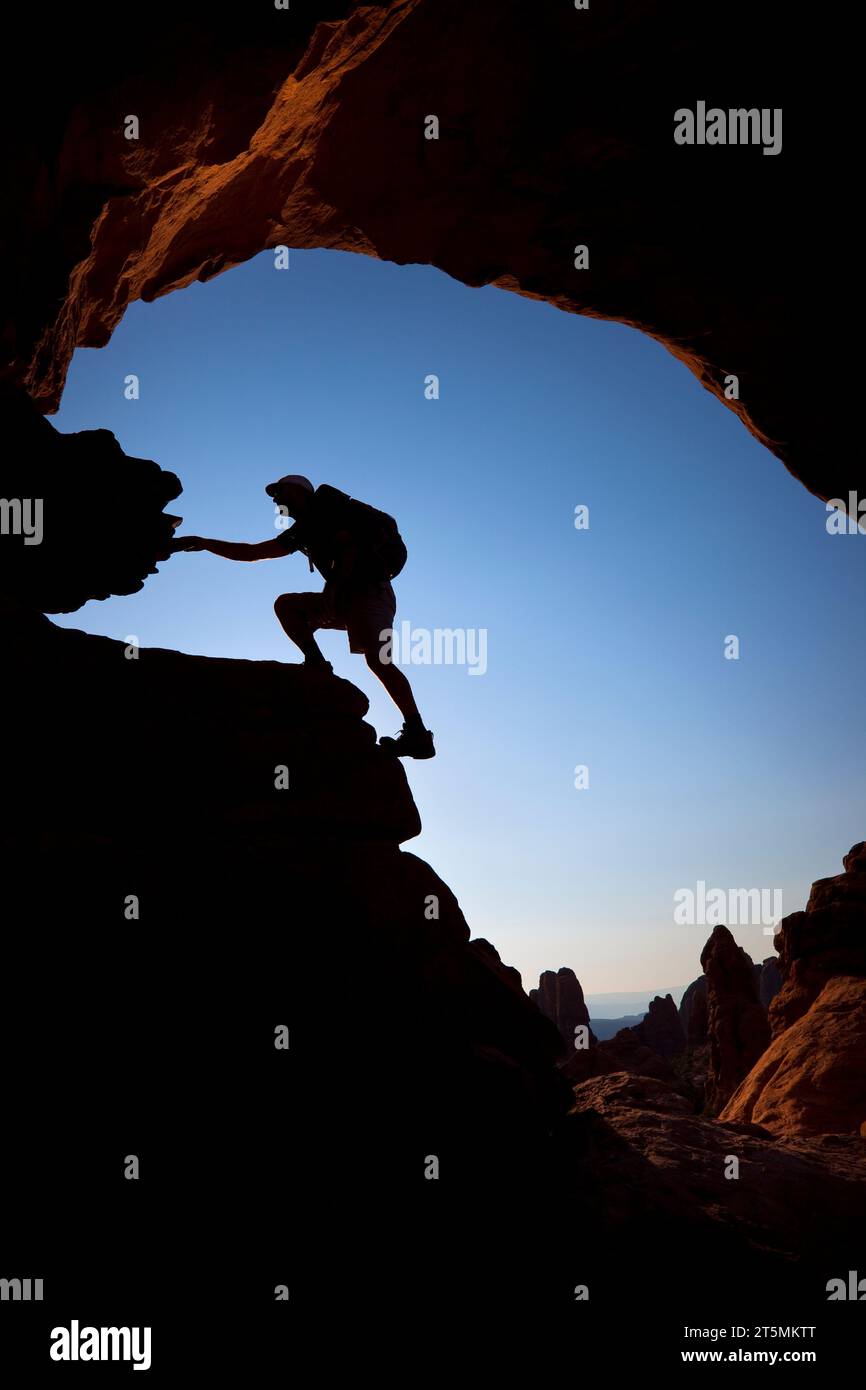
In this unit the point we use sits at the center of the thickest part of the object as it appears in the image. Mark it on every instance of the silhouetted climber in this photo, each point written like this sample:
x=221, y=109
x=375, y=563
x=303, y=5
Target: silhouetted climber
x=358, y=550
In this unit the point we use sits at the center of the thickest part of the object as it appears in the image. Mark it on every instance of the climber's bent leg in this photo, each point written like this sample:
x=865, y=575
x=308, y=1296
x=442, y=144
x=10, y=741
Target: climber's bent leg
x=297, y=617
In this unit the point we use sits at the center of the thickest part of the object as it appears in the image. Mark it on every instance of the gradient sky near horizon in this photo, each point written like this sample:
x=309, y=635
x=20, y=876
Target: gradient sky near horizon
x=604, y=647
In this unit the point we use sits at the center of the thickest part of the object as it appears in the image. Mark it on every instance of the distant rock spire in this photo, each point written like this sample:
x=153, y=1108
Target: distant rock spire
x=560, y=998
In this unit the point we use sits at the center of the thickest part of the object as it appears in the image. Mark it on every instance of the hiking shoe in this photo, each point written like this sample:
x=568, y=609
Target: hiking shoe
x=410, y=743
x=317, y=667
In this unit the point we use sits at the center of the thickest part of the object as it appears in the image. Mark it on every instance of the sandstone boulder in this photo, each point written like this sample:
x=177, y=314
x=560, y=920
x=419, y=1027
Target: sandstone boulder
x=812, y=1077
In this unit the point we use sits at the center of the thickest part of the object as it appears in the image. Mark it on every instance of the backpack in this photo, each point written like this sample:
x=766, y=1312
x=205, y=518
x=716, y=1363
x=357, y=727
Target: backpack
x=382, y=549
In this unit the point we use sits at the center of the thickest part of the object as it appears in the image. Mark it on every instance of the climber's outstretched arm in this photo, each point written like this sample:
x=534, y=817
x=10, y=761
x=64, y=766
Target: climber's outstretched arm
x=232, y=550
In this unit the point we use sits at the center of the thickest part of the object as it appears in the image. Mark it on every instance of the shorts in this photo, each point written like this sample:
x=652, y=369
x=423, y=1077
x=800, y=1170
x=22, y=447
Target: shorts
x=364, y=614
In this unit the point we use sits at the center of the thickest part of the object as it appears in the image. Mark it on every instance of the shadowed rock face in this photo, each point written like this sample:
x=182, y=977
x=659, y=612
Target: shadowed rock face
x=737, y=1027
x=246, y=807
x=693, y=1012
x=285, y=131
x=661, y=1028
x=623, y=1052
x=103, y=528
x=693, y=1005
x=769, y=981
x=148, y=749
x=652, y=1048
x=797, y=1196
x=456, y=1060
x=560, y=998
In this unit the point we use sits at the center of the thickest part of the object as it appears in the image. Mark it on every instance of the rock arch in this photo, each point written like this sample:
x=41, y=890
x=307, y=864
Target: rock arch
x=307, y=127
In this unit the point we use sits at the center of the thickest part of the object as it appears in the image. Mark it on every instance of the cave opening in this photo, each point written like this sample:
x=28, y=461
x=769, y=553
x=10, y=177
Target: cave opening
x=572, y=498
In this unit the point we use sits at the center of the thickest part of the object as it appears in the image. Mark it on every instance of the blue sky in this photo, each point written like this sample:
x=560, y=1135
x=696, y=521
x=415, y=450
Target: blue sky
x=604, y=646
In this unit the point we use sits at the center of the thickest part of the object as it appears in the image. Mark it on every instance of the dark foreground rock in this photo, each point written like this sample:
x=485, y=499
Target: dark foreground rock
x=653, y=1168
x=174, y=906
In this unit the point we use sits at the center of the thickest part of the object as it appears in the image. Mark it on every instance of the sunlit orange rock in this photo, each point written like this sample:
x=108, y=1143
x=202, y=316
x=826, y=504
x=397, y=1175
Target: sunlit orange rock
x=812, y=1078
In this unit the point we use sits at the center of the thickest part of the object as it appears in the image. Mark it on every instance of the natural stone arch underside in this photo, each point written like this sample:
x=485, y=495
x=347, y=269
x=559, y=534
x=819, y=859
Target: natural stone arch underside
x=554, y=131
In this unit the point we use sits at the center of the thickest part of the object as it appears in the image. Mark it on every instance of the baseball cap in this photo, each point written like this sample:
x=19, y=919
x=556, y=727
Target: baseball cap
x=291, y=479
